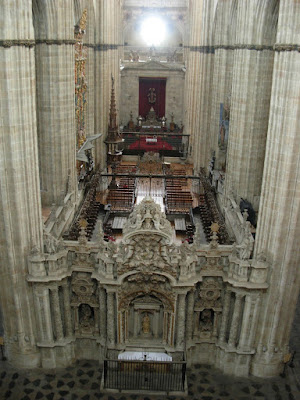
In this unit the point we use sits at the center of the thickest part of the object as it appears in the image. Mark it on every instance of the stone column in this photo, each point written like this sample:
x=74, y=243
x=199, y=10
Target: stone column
x=225, y=314
x=165, y=328
x=171, y=329
x=20, y=208
x=58, y=327
x=180, y=321
x=248, y=323
x=107, y=65
x=278, y=229
x=55, y=66
x=121, y=323
x=190, y=315
x=102, y=311
x=192, y=78
x=126, y=315
x=216, y=323
x=235, y=320
x=250, y=98
x=135, y=323
x=224, y=40
x=43, y=313
x=111, y=325
x=196, y=322
x=199, y=79
x=201, y=152
x=155, y=324
x=76, y=319
x=252, y=330
x=67, y=310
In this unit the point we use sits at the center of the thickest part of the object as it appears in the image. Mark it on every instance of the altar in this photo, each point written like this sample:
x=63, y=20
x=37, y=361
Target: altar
x=144, y=356
x=144, y=361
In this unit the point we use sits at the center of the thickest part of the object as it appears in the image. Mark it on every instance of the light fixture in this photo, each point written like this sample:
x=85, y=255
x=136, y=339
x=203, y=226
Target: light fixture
x=153, y=31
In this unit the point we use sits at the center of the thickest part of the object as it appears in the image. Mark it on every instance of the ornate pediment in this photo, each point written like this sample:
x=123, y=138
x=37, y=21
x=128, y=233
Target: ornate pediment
x=146, y=252
x=154, y=65
x=148, y=218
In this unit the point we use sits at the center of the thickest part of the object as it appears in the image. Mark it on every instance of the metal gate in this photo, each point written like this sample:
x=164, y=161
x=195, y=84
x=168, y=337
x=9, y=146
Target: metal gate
x=144, y=375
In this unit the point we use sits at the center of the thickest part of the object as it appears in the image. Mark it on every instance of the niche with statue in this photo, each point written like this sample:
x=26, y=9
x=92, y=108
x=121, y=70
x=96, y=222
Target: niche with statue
x=145, y=318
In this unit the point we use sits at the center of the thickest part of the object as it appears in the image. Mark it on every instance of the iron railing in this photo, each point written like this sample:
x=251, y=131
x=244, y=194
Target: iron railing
x=166, y=376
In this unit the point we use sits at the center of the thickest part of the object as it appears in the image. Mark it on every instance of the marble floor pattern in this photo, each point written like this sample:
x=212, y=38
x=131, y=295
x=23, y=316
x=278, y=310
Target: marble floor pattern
x=82, y=381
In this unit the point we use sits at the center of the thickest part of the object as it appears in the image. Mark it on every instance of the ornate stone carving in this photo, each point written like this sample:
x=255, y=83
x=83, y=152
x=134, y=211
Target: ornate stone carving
x=142, y=284
x=84, y=289
x=210, y=294
x=50, y=243
x=147, y=216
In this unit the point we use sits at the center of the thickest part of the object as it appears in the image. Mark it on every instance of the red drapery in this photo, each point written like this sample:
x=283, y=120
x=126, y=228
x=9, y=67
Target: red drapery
x=159, y=84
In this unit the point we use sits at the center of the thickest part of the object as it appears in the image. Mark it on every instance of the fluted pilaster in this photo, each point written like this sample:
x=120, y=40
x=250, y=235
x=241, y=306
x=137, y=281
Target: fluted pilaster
x=225, y=314
x=102, y=308
x=58, y=327
x=248, y=323
x=111, y=325
x=43, y=312
x=236, y=316
x=180, y=325
x=67, y=310
x=190, y=314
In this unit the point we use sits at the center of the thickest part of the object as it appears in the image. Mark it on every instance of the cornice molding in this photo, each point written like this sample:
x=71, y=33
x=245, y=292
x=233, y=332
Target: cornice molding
x=31, y=43
x=257, y=47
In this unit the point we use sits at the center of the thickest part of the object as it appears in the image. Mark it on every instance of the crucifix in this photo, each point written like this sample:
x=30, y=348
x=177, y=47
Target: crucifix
x=151, y=96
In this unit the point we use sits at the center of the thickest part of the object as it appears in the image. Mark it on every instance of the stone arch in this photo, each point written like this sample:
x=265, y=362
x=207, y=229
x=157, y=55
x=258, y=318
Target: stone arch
x=126, y=300
x=170, y=278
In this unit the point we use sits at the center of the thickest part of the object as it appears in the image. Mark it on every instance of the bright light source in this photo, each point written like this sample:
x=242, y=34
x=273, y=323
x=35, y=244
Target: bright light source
x=153, y=31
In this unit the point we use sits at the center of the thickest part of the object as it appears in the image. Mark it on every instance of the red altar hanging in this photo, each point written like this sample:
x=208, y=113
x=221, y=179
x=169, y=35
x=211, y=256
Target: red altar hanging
x=152, y=93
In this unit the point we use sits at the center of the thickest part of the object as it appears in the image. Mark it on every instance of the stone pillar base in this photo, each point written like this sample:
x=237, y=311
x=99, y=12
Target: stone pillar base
x=24, y=360
x=58, y=357
x=264, y=368
x=233, y=363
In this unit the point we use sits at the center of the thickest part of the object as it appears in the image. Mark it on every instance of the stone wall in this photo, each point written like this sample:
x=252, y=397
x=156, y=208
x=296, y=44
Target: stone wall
x=130, y=88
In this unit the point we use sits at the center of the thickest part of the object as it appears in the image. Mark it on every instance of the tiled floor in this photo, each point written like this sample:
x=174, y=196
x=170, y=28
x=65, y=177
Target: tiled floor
x=82, y=381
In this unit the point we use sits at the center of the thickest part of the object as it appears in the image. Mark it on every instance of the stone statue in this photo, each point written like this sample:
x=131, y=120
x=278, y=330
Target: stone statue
x=206, y=324
x=50, y=243
x=86, y=317
x=245, y=248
